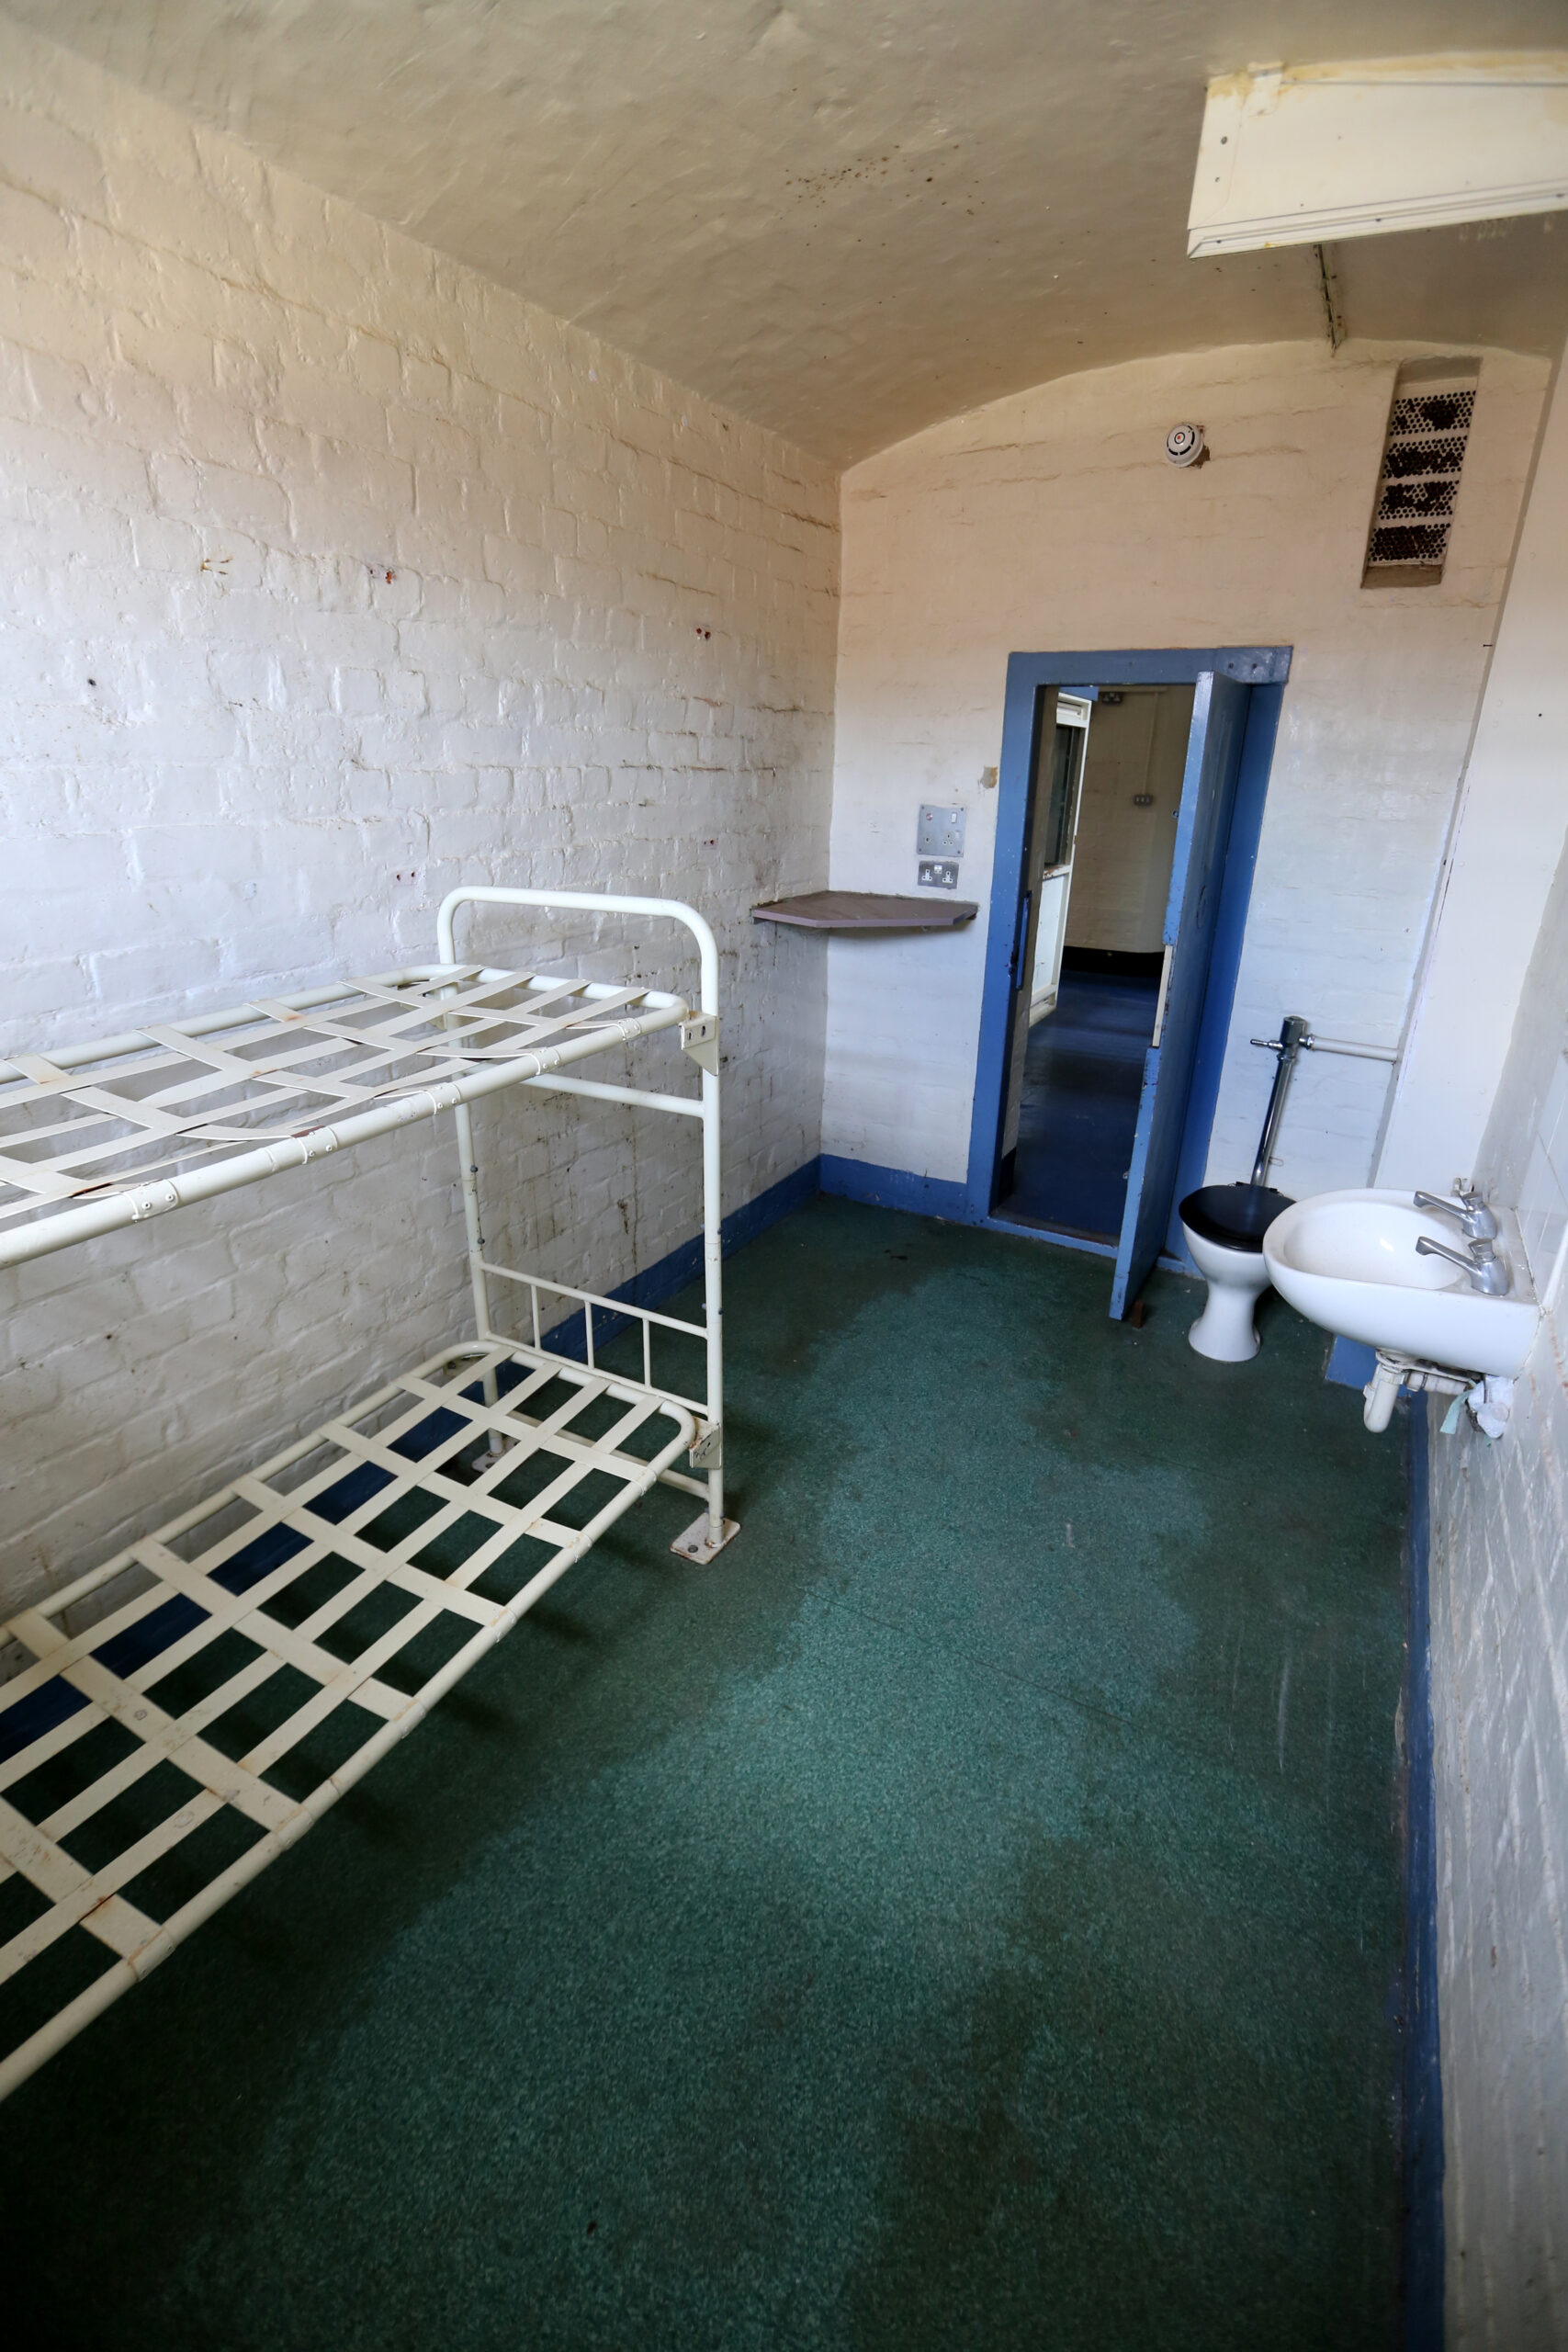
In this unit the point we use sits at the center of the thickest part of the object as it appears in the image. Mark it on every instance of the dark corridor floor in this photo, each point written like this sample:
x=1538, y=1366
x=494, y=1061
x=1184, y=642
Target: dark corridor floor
x=965, y=1916
x=1082, y=1076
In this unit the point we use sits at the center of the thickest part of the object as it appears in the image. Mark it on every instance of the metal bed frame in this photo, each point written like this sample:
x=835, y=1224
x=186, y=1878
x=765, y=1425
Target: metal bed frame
x=226, y=1678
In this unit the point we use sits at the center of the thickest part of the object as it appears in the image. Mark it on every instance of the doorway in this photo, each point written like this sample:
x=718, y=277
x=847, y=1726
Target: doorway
x=1102, y=883
x=1102, y=1036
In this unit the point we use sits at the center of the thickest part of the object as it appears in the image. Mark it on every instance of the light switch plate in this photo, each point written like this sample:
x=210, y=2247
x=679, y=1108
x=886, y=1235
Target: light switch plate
x=941, y=834
x=938, y=874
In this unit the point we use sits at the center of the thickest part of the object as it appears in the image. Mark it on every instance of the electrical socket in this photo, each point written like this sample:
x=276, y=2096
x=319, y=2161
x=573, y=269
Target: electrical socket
x=938, y=874
x=941, y=834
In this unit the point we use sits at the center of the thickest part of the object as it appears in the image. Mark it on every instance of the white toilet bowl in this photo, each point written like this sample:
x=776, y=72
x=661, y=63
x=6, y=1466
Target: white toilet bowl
x=1225, y=1224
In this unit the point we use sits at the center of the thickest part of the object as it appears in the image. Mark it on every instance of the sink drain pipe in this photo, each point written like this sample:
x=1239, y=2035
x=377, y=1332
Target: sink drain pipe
x=1393, y=1373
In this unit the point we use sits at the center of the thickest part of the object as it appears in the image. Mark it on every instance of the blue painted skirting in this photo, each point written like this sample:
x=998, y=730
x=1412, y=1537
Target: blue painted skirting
x=894, y=1188
x=683, y=1264
x=1351, y=1363
x=1423, y=2086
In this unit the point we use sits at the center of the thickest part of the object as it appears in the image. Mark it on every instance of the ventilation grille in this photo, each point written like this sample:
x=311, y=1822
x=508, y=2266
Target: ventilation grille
x=1421, y=462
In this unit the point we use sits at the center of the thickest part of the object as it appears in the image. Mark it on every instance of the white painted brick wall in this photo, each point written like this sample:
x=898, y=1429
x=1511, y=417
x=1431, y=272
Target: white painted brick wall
x=1499, y=1584
x=1501, y=858
x=1050, y=521
x=333, y=575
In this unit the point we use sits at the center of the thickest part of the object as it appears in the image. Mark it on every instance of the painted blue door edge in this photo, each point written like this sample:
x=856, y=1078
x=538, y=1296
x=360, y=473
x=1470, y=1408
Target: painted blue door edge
x=894, y=1188
x=1224, y=959
x=1252, y=665
x=1216, y=737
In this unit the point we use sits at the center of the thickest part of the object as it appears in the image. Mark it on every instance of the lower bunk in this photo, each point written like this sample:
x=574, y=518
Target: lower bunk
x=247, y=1663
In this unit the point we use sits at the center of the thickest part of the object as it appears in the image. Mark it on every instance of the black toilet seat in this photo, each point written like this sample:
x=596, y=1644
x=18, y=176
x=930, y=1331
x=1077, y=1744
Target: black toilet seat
x=1236, y=1216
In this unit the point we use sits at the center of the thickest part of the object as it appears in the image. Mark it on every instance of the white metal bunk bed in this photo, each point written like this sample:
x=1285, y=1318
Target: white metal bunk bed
x=245, y=1665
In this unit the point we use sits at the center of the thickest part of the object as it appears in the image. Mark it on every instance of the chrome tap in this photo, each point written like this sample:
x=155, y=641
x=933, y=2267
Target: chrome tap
x=1487, y=1272
x=1475, y=1220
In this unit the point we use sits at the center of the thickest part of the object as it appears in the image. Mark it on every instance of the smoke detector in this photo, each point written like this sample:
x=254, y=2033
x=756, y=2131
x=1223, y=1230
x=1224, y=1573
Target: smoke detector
x=1184, y=445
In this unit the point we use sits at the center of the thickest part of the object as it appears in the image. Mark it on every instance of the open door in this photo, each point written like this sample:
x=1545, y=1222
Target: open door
x=1202, y=833
x=1056, y=777
x=1059, y=833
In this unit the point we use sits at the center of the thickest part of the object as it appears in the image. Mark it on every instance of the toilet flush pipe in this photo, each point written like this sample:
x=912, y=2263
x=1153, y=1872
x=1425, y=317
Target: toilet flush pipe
x=1294, y=1033
x=1295, y=1037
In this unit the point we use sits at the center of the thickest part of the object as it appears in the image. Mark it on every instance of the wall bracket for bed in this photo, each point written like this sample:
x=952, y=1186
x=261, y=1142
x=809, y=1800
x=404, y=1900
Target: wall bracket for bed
x=179, y=1716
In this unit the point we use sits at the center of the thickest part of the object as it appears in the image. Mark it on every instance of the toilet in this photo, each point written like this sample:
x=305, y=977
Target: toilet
x=1224, y=1225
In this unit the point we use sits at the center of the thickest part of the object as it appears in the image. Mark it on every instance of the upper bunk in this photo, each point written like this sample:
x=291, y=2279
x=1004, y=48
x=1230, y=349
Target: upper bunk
x=100, y=1136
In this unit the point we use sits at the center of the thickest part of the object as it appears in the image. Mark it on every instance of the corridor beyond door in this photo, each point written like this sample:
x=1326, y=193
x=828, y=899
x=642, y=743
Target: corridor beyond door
x=1082, y=1074
x=1082, y=1070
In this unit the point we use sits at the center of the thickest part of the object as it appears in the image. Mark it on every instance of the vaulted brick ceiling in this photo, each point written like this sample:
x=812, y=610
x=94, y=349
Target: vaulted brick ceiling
x=845, y=219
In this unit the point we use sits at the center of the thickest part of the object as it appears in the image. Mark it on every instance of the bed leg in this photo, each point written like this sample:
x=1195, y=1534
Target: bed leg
x=706, y=1537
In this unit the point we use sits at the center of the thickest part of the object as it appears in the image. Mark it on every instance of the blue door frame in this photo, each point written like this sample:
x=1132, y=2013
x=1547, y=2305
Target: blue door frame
x=1263, y=668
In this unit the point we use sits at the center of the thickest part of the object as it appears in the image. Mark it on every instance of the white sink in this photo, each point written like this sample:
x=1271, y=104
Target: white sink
x=1348, y=1260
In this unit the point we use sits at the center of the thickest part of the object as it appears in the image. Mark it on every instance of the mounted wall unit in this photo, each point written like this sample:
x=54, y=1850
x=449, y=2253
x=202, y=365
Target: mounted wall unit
x=1295, y=154
x=865, y=911
x=1428, y=427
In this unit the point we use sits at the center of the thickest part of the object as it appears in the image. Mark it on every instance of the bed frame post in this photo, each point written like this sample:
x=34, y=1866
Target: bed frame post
x=463, y=1120
x=707, y=1536
x=712, y=1269
x=470, y=1173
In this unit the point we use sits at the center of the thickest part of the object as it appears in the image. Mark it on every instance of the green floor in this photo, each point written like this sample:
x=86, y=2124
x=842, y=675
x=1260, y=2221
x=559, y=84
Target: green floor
x=963, y=1915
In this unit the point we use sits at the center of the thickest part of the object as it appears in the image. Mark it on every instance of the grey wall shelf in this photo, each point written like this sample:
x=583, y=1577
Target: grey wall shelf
x=865, y=911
